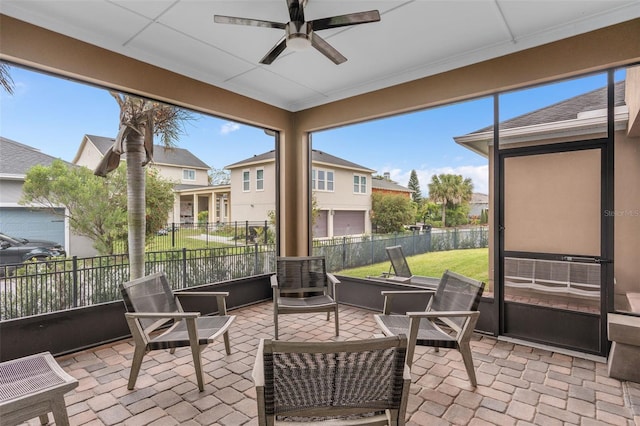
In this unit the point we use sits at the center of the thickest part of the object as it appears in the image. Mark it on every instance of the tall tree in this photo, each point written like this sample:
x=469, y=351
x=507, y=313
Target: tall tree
x=140, y=120
x=5, y=78
x=449, y=189
x=96, y=208
x=389, y=213
x=414, y=185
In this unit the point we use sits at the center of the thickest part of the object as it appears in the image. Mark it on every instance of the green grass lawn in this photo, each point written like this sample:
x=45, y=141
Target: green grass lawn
x=185, y=239
x=473, y=263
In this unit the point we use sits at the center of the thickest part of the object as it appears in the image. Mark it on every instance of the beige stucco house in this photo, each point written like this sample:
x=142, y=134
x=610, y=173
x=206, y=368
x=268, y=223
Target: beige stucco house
x=178, y=165
x=342, y=192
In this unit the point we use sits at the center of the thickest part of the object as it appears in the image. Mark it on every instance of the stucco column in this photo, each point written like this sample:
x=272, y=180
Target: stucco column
x=294, y=157
x=194, y=207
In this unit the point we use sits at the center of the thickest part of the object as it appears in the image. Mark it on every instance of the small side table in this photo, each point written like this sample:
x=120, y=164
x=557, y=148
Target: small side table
x=31, y=387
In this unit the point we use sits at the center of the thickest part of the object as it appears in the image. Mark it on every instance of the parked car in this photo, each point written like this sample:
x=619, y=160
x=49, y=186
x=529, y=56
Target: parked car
x=18, y=250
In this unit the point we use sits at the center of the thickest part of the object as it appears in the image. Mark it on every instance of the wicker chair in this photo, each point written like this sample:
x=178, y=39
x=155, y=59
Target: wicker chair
x=454, y=304
x=151, y=305
x=338, y=383
x=302, y=284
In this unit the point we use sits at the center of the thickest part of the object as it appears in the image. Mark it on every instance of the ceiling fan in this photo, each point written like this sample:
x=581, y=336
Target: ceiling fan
x=300, y=34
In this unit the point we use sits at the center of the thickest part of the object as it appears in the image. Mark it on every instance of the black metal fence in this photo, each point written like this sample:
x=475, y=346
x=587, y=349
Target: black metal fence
x=56, y=285
x=218, y=234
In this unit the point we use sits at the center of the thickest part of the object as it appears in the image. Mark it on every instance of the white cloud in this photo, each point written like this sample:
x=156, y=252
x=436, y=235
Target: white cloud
x=229, y=127
x=479, y=176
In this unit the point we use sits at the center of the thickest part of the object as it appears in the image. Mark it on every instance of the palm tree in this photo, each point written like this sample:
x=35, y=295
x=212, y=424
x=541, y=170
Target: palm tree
x=449, y=189
x=140, y=120
x=5, y=78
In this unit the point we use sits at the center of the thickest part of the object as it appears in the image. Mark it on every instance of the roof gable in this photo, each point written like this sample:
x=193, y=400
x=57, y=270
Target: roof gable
x=161, y=155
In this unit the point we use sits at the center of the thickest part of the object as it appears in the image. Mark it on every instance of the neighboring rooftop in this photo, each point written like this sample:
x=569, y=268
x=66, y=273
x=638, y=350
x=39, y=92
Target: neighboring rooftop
x=316, y=157
x=379, y=182
x=568, y=109
x=17, y=159
x=161, y=155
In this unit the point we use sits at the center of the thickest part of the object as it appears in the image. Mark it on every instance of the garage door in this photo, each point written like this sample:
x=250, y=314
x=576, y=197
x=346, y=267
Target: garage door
x=320, y=226
x=29, y=223
x=348, y=222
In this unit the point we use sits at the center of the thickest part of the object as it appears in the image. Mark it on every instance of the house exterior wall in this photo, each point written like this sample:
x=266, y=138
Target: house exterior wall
x=175, y=174
x=344, y=199
x=627, y=214
x=10, y=191
x=89, y=157
x=254, y=204
x=627, y=218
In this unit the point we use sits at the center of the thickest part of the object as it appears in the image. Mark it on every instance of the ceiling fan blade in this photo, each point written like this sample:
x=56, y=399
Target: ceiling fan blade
x=221, y=19
x=296, y=10
x=345, y=20
x=326, y=49
x=274, y=52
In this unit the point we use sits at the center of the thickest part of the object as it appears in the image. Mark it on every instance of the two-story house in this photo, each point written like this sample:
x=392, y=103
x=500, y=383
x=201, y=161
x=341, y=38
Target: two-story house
x=178, y=165
x=341, y=189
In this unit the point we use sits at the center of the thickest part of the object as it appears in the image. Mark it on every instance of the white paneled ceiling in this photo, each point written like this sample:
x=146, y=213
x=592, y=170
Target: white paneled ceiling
x=413, y=39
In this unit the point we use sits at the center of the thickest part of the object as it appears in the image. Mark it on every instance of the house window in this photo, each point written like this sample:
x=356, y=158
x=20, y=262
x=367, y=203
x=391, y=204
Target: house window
x=188, y=174
x=260, y=180
x=246, y=181
x=322, y=180
x=359, y=184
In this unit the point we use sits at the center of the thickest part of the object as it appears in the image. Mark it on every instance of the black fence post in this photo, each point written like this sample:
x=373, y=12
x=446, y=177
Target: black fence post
x=184, y=267
x=373, y=249
x=74, y=263
x=256, y=262
x=173, y=234
x=246, y=232
x=235, y=232
x=344, y=252
x=266, y=230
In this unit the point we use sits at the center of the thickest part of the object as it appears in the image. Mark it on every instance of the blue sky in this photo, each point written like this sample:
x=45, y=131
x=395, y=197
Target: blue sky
x=52, y=114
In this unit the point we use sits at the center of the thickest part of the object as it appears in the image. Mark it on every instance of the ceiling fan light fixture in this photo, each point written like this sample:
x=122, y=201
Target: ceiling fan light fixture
x=298, y=42
x=298, y=35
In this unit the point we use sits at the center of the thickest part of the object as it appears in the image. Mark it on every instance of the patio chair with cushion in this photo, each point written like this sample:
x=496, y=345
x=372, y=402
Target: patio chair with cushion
x=337, y=383
x=302, y=284
x=447, y=322
x=402, y=272
x=152, y=305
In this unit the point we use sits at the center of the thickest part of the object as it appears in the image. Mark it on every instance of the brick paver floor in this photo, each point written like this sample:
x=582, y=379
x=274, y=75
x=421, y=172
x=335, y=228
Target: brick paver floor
x=517, y=385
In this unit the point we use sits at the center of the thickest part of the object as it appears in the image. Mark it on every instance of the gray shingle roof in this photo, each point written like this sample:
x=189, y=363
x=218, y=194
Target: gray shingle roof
x=161, y=155
x=564, y=110
x=17, y=158
x=378, y=183
x=316, y=157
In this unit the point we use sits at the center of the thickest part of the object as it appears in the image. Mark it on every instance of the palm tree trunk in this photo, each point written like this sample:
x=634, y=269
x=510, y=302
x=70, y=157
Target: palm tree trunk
x=136, y=213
